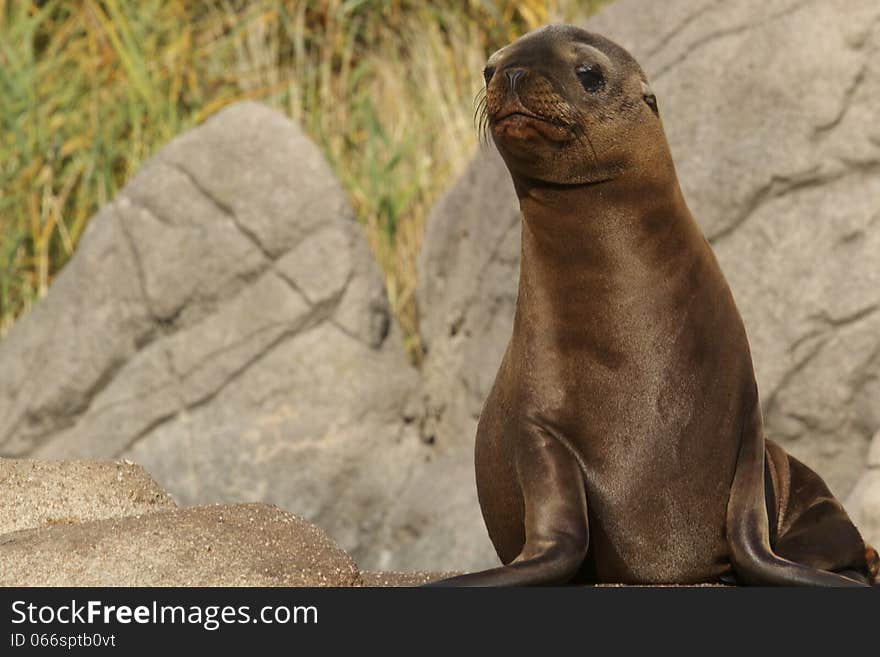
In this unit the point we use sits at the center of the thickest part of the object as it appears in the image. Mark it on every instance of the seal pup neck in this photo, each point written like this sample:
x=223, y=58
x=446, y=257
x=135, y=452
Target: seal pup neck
x=579, y=129
x=604, y=225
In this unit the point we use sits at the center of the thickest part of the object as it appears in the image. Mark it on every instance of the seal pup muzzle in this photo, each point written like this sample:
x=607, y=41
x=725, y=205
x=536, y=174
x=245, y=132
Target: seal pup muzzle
x=622, y=440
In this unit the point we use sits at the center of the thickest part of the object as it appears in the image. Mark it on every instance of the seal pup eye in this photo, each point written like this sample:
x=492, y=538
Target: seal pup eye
x=488, y=72
x=591, y=77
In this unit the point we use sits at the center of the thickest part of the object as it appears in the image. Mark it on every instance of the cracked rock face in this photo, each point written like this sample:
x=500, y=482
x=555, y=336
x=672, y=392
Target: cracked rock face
x=771, y=114
x=224, y=324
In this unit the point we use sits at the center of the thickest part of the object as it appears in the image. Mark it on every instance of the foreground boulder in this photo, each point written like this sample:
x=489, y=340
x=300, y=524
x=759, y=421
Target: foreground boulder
x=224, y=323
x=770, y=111
x=102, y=523
x=404, y=579
x=36, y=494
x=236, y=545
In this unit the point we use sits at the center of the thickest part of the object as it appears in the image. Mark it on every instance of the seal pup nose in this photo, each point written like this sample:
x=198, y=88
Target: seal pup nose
x=513, y=74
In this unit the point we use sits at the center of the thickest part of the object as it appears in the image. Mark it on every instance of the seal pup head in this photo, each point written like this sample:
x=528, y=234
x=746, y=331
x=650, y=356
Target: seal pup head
x=566, y=106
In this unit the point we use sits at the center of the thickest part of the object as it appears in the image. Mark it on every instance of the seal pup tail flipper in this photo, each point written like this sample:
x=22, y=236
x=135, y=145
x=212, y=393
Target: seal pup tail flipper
x=748, y=530
x=555, y=518
x=872, y=559
x=812, y=527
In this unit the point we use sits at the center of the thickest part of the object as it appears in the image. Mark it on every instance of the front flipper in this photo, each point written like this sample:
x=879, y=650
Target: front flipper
x=748, y=527
x=555, y=518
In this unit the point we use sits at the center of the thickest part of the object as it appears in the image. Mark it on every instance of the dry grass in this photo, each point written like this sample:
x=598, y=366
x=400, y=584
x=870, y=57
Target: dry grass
x=90, y=89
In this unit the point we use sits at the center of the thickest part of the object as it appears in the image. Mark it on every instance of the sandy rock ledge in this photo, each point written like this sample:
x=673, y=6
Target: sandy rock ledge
x=222, y=545
x=108, y=523
x=36, y=494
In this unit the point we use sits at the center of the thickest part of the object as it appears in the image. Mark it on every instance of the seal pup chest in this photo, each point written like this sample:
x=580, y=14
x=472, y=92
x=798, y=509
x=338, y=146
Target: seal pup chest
x=652, y=423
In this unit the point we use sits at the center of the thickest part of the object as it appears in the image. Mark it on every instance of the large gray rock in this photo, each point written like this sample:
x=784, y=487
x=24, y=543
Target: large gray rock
x=36, y=494
x=770, y=110
x=237, y=545
x=223, y=323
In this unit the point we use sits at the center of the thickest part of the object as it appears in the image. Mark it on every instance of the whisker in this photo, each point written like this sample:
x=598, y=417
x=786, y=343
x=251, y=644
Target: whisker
x=485, y=137
x=479, y=100
x=481, y=116
x=481, y=106
x=481, y=131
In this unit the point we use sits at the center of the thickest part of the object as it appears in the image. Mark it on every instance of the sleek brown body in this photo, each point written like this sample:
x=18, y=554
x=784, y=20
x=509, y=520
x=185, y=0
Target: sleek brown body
x=622, y=440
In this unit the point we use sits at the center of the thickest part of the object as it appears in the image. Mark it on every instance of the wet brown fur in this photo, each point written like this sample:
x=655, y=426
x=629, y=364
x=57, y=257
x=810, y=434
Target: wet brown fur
x=623, y=440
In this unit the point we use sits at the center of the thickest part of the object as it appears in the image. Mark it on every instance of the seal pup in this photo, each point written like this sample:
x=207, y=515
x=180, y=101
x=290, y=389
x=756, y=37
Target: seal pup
x=622, y=440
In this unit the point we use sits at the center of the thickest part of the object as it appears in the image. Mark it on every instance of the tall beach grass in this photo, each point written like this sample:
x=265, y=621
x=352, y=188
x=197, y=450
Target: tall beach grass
x=91, y=88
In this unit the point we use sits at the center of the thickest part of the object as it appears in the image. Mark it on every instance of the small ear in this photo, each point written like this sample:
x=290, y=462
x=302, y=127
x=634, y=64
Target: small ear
x=649, y=98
